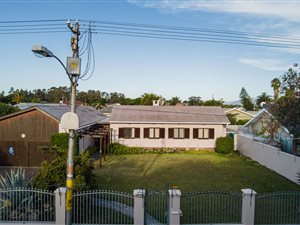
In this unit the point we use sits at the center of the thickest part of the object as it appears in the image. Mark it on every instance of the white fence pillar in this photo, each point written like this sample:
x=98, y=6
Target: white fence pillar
x=248, y=206
x=139, y=211
x=60, y=206
x=235, y=141
x=174, y=206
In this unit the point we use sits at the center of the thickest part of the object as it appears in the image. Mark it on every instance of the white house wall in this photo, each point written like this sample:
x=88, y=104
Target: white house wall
x=85, y=142
x=220, y=131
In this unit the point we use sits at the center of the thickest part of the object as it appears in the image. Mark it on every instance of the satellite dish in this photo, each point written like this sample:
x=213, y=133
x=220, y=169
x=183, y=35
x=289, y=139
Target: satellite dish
x=69, y=121
x=262, y=104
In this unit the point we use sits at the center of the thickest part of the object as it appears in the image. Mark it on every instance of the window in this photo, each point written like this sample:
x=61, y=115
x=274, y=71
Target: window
x=203, y=133
x=129, y=132
x=154, y=133
x=179, y=133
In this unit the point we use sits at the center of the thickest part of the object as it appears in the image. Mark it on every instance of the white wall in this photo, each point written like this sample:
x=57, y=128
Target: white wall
x=166, y=142
x=85, y=142
x=283, y=163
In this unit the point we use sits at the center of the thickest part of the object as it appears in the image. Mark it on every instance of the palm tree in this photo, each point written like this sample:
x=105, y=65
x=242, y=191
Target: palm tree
x=275, y=84
x=263, y=97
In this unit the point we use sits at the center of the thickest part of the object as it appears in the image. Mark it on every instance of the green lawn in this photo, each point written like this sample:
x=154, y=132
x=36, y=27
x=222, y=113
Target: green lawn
x=190, y=172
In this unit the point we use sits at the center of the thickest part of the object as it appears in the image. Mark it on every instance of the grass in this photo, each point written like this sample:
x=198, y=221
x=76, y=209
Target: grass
x=190, y=172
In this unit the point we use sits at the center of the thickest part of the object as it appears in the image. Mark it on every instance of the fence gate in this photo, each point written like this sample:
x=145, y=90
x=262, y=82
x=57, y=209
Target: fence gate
x=156, y=207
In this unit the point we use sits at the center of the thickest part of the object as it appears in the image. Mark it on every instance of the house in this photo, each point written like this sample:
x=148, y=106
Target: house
x=195, y=127
x=262, y=123
x=24, y=132
x=240, y=114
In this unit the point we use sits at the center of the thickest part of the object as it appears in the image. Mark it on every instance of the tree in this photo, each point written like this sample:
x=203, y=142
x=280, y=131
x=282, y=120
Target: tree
x=174, y=100
x=275, y=84
x=195, y=101
x=270, y=126
x=290, y=84
x=148, y=98
x=287, y=108
x=7, y=109
x=55, y=95
x=213, y=102
x=232, y=118
x=116, y=97
x=246, y=99
x=263, y=97
x=287, y=111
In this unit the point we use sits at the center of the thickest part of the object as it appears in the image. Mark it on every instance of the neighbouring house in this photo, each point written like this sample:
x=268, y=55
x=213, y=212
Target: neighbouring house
x=195, y=127
x=24, y=132
x=261, y=124
x=240, y=114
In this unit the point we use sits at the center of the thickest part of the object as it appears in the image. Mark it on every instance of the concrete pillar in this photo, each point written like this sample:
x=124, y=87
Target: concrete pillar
x=235, y=141
x=248, y=206
x=60, y=206
x=174, y=206
x=139, y=209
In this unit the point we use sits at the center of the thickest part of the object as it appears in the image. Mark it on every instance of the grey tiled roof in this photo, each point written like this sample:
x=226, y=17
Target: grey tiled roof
x=26, y=105
x=87, y=115
x=169, y=114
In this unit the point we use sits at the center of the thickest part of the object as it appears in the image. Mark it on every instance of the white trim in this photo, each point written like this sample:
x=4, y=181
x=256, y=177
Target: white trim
x=257, y=116
x=144, y=122
x=237, y=109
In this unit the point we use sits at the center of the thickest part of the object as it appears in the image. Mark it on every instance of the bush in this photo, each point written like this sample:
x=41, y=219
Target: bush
x=224, y=145
x=61, y=141
x=119, y=149
x=241, y=122
x=53, y=174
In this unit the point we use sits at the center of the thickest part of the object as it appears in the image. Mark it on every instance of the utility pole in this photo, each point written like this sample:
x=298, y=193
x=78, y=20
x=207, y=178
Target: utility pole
x=70, y=163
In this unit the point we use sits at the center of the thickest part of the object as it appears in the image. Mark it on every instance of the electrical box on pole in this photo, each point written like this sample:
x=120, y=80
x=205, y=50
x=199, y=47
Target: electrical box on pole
x=73, y=65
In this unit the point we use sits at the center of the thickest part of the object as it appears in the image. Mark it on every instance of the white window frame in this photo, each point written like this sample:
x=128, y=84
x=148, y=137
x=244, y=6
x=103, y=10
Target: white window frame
x=132, y=132
x=154, y=133
x=203, y=133
x=179, y=133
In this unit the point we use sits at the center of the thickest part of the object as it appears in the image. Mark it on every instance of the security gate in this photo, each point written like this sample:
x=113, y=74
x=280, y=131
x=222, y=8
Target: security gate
x=156, y=207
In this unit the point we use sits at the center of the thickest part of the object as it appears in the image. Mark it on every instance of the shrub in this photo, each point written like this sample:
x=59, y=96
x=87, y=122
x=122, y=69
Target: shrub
x=241, y=122
x=53, y=174
x=119, y=149
x=14, y=179
x=61, y=141
x=224, y=145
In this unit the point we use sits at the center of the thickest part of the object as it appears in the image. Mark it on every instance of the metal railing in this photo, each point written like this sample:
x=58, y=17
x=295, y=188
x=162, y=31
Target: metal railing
x=26, y=205
x=278, y=208
x=156, y=207
x=102, y=207
x=211, y=207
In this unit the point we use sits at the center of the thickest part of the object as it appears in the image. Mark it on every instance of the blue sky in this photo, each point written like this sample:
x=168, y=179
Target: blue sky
x=134, y=66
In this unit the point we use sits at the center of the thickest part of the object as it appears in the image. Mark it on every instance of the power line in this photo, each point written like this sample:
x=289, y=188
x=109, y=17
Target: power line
x=148, y=31
x=191, y=29
x=199, y=40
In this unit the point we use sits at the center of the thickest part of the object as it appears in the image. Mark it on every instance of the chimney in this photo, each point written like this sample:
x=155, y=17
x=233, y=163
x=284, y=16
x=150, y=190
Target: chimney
x=156, y=102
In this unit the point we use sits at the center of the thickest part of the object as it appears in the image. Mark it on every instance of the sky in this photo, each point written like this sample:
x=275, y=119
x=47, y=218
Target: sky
x=134, y=66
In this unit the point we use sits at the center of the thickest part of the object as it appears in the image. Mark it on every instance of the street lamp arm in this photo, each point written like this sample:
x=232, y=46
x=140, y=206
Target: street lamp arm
x=70, y=77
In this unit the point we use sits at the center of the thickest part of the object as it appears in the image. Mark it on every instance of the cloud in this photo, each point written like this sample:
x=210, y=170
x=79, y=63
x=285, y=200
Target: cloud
x=288, y=9
x=265, y=64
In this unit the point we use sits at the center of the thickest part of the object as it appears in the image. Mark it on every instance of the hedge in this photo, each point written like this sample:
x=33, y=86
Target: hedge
x=224, y=145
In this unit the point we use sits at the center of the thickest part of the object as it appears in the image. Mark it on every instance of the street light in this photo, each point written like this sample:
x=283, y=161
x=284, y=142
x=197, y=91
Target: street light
x=69, y=120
